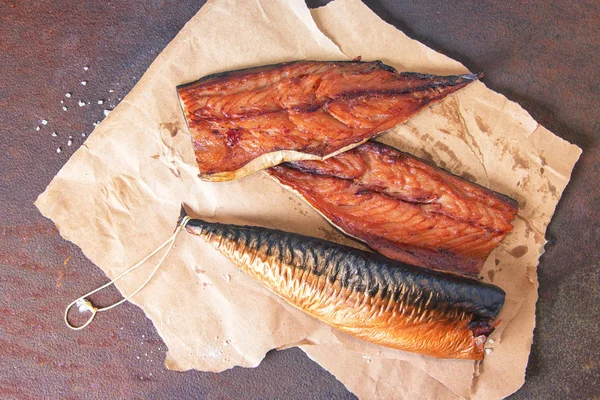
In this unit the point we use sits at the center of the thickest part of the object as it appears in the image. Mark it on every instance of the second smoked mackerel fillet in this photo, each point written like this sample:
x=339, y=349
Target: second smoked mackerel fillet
x=403, y=207
x=247, y=120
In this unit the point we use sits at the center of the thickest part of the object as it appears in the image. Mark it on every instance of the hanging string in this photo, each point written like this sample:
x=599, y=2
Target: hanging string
x=83, y=304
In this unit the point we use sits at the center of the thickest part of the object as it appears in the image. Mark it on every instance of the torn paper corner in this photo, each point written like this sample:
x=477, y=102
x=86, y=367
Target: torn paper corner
x=118, y=198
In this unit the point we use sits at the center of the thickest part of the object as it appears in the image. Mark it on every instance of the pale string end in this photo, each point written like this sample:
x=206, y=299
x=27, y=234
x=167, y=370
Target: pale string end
x=84, y=304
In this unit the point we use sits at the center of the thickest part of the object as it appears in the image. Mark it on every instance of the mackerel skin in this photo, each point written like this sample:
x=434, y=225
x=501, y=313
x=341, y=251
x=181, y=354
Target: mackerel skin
x=404, y=207
x=247, y=120
x=363, y=294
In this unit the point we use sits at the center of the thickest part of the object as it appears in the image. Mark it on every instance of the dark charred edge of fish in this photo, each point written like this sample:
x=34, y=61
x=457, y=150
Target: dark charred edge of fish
x=453, y=80
x=362, y=271
x=470, y=77
x=182, y=106
x=509, y=201
x=235, y=72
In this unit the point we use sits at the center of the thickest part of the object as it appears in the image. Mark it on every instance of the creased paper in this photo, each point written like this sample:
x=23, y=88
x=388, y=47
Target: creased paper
x=118, y=198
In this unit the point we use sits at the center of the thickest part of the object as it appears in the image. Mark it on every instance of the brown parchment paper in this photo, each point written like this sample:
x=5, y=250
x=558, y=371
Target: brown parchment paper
x=118, y=198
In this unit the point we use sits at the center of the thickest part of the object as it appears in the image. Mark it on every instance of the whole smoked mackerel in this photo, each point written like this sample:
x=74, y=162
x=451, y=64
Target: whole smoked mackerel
x=247, y=120
x=364, y=294
x=403, y=207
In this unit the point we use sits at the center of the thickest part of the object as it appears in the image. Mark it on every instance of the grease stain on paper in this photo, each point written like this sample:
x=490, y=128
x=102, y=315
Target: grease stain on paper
x=519, y=251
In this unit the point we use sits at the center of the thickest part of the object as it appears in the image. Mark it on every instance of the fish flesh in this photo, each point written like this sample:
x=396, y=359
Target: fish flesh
x=248, y=120
x=404, y=207
x=364, y=294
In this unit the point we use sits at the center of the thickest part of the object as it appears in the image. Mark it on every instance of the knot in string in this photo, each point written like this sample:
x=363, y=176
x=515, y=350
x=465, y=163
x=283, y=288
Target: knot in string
x=83, y=304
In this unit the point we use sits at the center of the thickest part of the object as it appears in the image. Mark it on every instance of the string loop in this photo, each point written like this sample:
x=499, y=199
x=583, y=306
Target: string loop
x=83, y=304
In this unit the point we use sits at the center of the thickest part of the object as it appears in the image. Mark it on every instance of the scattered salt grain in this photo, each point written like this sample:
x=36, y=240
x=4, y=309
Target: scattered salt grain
x=54, y=134
x=83, y=135
x=111, y=91
x=68, y=95
x=69, y=142
x=488, y=351
x=81, y=103
x=86, y=68
x=58, y=149
x=100, y=101
x=227, y=277
x=84, y=83
x=65, y=108
x=44, y=122
x=490, y=340
x=62, y=102
x=106, y=112
x=150, y=373
x=37, y=128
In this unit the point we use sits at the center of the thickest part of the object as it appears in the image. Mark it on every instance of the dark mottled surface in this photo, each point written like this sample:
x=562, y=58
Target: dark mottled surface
x=544, y=54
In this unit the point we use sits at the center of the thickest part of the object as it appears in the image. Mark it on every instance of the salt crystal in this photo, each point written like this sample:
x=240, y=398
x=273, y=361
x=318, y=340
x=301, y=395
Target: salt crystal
x=65, y=108
x=83, y=135
x=68, y=95
x=62, y=102
x=44, y=122
x=111, y=91
x=54, y=134
x=488, y=351
x=86, y=68
x=106, y=112
x=69, y=142
x=81, y=103
x=490, y=340
x=150, y=373
x=227, y=277
x=58, y=149
x=88, y=102
x=100, y=101
x=37, y=128
x=84, y=83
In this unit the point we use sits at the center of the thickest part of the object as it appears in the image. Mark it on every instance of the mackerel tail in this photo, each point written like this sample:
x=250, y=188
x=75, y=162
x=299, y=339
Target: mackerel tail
x=363, y=294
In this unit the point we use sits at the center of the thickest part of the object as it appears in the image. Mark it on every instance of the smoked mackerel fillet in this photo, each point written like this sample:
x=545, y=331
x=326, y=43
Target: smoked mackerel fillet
x=247, y=120
x=364, y=294
x=403, y=207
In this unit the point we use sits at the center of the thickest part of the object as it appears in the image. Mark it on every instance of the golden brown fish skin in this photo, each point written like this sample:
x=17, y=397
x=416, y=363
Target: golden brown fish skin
x=247, y=120
x=363, y=294
x=403, y=207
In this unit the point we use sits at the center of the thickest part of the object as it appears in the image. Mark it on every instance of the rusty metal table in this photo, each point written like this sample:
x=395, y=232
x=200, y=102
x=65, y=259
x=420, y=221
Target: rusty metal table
x=544, y=55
